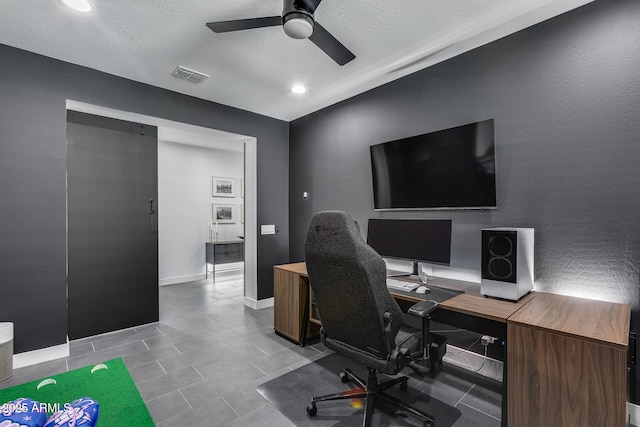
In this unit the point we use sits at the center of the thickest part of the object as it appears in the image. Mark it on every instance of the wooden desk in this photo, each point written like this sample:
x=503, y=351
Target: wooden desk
x=474, y=312
x=565, y=357
x=291, y=302
x=469, y=310
x=470, y=302
x=567, y=362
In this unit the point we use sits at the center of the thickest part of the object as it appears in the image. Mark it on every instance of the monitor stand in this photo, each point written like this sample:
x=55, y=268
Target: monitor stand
x=395, y=273
x=417, y=271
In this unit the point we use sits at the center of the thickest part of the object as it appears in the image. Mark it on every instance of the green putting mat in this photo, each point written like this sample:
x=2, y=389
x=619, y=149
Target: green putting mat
x=119, y=399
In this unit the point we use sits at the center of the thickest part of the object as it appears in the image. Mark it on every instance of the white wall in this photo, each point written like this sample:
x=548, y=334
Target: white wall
x=185, y=203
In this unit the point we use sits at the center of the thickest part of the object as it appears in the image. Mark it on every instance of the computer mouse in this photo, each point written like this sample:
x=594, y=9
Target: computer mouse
x=422, y=290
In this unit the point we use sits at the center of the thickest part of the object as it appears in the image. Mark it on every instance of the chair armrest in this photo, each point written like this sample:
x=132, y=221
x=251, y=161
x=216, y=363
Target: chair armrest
x=423, y=308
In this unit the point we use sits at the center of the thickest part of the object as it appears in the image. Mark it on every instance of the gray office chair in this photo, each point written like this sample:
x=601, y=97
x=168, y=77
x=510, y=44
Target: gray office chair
x=360, y=319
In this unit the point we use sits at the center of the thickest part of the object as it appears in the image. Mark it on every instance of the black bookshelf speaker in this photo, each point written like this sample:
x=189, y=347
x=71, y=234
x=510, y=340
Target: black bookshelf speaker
x=507, y=262
x=500, y=255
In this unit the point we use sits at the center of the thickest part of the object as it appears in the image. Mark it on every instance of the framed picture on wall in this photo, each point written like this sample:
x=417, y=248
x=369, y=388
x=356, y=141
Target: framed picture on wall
x=223, y=187
x=223, y=214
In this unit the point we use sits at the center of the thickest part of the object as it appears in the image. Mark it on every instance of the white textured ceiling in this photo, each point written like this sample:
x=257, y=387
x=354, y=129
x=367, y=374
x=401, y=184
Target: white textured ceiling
x=144, y=40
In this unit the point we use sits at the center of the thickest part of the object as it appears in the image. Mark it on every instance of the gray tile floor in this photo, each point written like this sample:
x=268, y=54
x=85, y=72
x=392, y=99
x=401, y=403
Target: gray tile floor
x=200, y=365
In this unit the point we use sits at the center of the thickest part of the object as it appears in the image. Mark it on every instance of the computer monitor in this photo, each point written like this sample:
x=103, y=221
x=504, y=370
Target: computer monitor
x=417, y=240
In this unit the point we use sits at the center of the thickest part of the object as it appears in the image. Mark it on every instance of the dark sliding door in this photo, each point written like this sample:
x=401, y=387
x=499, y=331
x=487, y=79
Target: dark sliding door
x=112, y=236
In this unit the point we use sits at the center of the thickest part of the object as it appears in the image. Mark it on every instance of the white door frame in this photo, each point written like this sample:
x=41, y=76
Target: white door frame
x=250, y=170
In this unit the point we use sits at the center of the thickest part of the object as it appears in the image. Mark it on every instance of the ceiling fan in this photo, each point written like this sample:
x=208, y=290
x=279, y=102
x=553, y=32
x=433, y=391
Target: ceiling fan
x=298, y=22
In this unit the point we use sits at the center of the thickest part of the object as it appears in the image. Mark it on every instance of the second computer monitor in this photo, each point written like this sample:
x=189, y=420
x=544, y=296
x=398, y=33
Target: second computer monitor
x=419, y=240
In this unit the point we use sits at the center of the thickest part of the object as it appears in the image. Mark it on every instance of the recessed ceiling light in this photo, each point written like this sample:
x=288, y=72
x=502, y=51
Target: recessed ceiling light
x=79, y=5
x=298, y=89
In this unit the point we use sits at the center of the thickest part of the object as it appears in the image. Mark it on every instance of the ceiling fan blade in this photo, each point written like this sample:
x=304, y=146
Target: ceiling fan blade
x=308, y=5
x=244, y=24
x=330, y=45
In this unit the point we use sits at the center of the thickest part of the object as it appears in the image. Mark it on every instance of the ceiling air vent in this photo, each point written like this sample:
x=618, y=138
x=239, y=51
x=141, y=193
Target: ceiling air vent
x=192, y=76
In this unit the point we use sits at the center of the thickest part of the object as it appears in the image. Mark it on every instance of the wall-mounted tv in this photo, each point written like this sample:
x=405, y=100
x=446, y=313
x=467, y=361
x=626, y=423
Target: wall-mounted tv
x=448, y=169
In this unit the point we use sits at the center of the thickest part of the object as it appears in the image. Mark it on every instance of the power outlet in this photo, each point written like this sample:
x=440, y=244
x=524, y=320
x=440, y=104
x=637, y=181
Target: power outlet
x=486, y=340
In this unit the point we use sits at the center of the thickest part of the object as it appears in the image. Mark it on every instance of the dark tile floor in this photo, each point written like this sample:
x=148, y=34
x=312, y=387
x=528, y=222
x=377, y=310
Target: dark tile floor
x=200, y=365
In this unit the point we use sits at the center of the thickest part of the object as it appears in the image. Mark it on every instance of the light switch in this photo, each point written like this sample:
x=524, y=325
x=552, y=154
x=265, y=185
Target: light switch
x=267, y=229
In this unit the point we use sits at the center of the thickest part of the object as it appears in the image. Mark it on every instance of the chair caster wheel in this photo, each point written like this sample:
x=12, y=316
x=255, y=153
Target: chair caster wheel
x=312, y=410
x=344, y=377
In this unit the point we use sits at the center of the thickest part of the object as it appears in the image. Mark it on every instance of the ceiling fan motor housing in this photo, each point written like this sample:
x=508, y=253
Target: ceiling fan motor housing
x=297, y=22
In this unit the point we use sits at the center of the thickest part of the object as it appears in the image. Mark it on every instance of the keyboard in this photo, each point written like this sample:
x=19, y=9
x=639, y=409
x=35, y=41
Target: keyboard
x=401, y=285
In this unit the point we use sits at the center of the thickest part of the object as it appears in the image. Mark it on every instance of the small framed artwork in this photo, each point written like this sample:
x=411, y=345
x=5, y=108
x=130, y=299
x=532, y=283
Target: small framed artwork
x=223, y=187
x=223, y=214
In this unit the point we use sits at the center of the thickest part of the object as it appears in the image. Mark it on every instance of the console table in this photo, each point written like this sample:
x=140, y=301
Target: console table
x=223, y=253
x=565, y=356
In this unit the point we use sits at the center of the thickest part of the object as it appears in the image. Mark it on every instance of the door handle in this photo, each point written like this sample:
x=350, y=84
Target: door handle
x=152, y=218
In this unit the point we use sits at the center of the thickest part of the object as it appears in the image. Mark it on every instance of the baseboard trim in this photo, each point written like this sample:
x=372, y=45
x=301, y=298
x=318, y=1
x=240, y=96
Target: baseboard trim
x=229, y=266
x=34, y=357
x=259, y=304
x=181, y=279
x=229, y=274
x=234, y=270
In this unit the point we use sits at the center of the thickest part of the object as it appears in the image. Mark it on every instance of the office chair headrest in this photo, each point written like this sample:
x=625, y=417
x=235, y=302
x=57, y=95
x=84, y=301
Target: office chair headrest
x=333, y=222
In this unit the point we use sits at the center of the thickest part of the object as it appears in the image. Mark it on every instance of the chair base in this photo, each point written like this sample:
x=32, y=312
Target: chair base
x=370, y=391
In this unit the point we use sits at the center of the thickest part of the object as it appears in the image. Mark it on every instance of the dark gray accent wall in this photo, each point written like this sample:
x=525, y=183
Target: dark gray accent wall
x=33, y=92
x=565, y=96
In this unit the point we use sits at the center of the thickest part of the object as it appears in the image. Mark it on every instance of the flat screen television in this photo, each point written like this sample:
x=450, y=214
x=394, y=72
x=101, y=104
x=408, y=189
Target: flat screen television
x=448, y=169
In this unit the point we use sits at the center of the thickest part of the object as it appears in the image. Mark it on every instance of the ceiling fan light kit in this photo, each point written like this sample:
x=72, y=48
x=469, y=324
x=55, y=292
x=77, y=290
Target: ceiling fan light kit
x=298, y=25
x=298, y=22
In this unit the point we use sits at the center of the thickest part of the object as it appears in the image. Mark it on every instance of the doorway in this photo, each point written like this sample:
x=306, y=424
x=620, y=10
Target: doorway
x=190, y=168
x=250, y=178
